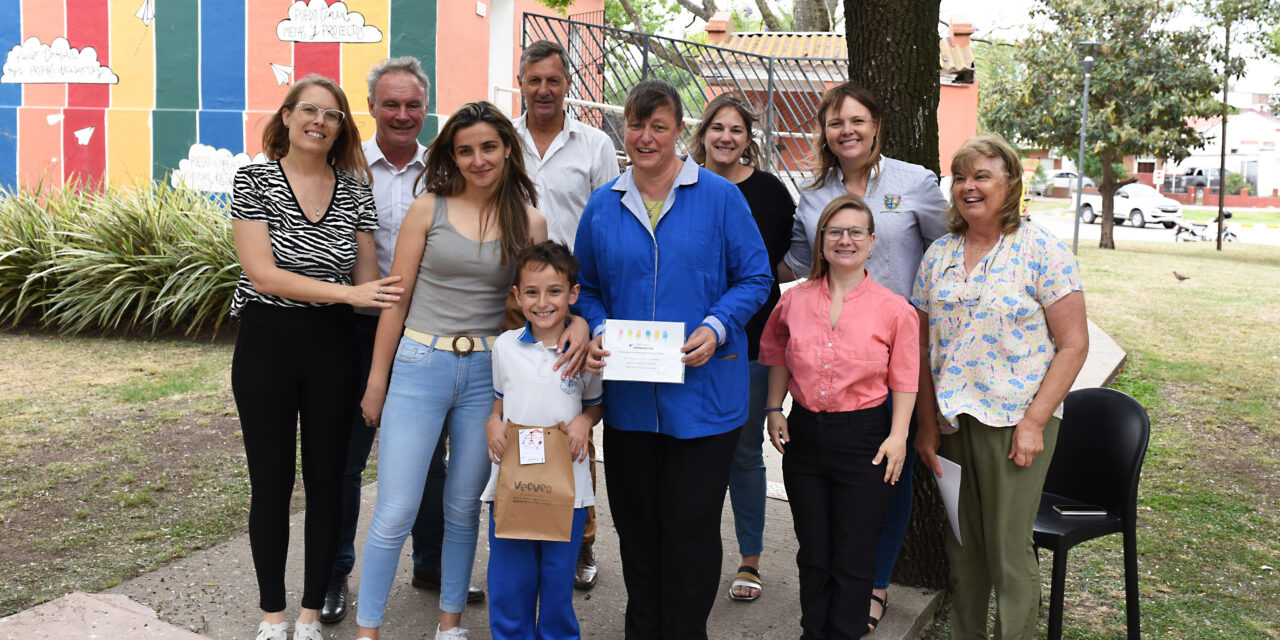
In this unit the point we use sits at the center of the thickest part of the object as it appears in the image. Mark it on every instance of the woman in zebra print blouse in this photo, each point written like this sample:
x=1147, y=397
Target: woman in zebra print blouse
x=303, y=226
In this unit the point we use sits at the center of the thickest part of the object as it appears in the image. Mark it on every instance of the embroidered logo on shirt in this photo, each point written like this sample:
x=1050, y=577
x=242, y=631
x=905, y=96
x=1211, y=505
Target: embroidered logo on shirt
x=891, y=201
x=570, y=386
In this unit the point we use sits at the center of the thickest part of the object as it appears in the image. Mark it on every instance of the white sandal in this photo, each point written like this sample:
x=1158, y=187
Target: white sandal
x=268, y=631
x=307, y=631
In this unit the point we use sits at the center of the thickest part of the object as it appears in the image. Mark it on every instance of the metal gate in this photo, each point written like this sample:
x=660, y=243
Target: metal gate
x=607, y=62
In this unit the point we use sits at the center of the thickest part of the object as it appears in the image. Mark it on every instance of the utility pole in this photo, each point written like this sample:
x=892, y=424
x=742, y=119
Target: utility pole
x=1222, y=140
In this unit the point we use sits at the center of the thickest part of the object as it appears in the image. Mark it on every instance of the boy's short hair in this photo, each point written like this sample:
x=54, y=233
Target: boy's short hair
x=549, y=253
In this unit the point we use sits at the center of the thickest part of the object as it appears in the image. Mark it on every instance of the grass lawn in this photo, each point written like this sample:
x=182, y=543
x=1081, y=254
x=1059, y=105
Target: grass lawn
x=1238, y=216
x=117, y=455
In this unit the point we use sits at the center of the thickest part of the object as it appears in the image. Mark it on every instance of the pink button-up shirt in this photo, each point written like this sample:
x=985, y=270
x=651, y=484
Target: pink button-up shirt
x=874, y=347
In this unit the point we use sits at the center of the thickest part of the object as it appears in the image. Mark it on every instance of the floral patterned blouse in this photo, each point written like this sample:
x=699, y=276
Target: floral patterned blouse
x=989, y=343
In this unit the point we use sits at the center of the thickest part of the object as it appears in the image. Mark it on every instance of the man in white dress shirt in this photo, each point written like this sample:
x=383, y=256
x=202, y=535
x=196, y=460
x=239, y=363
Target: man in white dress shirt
x=398, y=103
x=567, y=161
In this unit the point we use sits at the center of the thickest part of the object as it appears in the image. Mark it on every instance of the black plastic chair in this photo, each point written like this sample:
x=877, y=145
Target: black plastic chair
x=1101, y=445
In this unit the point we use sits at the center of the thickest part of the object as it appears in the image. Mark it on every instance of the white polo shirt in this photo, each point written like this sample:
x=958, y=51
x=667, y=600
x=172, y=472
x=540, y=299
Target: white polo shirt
x=393, y=192
x=580, y=160
x=534, y=395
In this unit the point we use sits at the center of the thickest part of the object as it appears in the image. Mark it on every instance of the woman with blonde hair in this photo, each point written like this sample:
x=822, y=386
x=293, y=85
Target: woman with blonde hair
x=303, y=225
x=432, y=364
x=1002, y=312
x=847, y=349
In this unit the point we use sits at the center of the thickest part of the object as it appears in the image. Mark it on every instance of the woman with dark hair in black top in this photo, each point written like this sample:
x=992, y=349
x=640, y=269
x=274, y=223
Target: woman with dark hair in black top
x=724, y=145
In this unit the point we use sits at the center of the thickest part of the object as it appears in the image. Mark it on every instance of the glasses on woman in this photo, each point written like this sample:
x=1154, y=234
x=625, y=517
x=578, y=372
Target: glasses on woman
x=855, y=233
x=332, y=117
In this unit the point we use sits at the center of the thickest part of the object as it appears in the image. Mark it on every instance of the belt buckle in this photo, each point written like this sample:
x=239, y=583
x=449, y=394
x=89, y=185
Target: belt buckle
x=471, y=345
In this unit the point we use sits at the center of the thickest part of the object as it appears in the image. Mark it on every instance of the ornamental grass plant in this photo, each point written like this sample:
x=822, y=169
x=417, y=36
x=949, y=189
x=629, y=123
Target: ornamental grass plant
x=153, y=259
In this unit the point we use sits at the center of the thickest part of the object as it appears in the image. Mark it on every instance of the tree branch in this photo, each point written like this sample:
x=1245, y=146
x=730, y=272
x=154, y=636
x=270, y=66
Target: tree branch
x=705, y=12
x=631, y=13
x=766, y=14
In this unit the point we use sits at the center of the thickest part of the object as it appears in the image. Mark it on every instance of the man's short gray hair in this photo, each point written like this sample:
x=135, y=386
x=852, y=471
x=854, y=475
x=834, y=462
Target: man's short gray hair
x=542, y=50
x=406, y=64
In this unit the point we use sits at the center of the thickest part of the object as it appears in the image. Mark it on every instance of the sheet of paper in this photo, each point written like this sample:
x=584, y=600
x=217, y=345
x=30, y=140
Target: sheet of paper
x=644, y=351
x=533, y=446
x=949, y=487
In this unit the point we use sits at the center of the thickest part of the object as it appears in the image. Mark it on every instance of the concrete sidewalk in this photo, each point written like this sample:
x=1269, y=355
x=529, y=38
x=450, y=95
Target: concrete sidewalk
x=213, y=593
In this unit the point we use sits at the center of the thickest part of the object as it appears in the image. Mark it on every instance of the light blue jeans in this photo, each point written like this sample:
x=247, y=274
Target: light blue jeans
x=747, y=483
x=428, y=387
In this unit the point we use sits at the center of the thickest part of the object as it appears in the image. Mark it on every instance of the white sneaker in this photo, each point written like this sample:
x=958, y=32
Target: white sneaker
x=268, y=631
x=452, y=634
x=307, y=631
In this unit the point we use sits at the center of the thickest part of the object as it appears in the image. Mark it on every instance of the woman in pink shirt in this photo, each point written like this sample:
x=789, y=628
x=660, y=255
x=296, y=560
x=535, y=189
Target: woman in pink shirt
x=840, y=343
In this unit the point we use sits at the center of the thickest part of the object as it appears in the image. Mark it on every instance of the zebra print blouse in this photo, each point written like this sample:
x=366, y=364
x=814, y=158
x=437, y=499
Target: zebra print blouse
x=324, y=250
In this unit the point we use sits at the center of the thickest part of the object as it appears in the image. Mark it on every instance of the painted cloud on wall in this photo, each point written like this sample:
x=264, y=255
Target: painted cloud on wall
x=210, y=169
x=316, y=21
x=34, y=62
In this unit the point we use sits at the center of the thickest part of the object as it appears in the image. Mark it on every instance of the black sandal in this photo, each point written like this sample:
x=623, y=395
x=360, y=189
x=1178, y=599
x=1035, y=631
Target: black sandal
x=873, y=621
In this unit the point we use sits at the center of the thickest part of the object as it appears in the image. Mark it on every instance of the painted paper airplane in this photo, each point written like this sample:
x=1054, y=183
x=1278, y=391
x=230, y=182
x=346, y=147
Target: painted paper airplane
x=83, y=135
x=53, y=118
x=282, y=72
x=146, y=13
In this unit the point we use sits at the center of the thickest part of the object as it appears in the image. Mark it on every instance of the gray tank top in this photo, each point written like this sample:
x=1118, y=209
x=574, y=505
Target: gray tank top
x=462, y=285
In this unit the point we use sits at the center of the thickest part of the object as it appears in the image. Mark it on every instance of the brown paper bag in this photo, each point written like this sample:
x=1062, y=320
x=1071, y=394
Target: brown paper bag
x=535, y=501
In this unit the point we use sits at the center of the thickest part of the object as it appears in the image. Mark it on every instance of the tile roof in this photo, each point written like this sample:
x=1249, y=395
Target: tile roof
x=831, y=46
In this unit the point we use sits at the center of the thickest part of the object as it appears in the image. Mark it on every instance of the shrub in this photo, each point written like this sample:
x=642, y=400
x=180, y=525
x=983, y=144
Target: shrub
x=153, y=259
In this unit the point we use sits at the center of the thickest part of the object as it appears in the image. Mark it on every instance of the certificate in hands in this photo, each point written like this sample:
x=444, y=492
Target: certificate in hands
x=643, y=351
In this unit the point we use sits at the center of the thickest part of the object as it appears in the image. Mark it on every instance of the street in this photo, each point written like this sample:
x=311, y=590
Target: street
x=1059, y=221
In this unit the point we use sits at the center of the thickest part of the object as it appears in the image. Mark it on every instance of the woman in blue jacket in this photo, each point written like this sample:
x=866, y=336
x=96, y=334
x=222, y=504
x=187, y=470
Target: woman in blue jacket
x=670, y=241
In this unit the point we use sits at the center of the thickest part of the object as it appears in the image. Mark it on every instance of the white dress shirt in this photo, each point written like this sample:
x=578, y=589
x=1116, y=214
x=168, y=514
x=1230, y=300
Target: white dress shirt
x=393, y=192
x=580, y=160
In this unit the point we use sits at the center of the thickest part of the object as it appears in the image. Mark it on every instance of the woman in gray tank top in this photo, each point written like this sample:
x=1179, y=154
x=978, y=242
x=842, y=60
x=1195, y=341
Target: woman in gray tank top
x=456, y=253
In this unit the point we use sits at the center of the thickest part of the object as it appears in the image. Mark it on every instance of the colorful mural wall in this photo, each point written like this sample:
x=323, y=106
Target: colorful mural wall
x=129, y=90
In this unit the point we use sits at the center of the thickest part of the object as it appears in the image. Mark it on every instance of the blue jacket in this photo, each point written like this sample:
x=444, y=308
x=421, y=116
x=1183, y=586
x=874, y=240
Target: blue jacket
x=703, y=264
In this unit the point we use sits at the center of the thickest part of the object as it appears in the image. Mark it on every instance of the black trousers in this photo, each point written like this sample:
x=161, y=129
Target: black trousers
x=292, y=364
x=838, y=501
x=666, y=496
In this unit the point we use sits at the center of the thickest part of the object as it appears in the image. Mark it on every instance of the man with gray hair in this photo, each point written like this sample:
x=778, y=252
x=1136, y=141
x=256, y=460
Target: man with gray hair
x=398, y=103
x=567, y=161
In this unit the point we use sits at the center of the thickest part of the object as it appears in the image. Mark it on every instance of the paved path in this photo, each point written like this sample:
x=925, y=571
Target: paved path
x=212, y=593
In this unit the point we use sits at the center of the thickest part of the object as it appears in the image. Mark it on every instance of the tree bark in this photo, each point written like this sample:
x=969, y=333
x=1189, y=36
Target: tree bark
x=766, y=14
x=1107, y=189
x=893, y=52
x=812, y=15
x=705, y=11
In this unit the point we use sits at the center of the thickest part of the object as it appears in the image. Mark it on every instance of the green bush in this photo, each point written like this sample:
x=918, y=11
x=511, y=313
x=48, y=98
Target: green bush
x=151, y=259
x=1236, y=183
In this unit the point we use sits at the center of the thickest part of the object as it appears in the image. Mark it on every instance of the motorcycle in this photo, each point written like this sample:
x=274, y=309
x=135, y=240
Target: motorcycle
x=1203, y=231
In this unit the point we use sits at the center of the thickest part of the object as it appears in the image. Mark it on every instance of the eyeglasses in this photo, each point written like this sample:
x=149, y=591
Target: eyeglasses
x=332, y=117
x=855, y=233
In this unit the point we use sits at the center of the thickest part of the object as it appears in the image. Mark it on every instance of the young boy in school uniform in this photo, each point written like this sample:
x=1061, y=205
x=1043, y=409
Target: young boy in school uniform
x=531, y=581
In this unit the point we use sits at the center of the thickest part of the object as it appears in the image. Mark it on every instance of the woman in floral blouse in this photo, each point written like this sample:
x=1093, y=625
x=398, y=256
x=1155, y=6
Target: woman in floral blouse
x=1002, y=314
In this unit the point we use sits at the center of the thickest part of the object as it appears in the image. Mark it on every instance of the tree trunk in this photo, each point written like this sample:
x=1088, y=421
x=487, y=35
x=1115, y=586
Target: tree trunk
x=812, y=15
x=893, y=52
x=1107, y=189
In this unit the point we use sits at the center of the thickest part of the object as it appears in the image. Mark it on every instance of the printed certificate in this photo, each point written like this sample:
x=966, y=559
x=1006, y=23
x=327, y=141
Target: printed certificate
x=643, y=351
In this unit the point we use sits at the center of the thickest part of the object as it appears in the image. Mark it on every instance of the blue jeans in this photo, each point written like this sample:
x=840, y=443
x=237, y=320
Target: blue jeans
x=428, y=389
x=531, y=585
x=428, y=530
x=899, y=515
x=747, y=483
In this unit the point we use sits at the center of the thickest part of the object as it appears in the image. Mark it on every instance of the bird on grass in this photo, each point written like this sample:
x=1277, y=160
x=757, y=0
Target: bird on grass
x=1180, y=277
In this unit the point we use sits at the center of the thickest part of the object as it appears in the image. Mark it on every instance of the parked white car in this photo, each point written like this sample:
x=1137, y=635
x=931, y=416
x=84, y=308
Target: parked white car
x=1138, y=203
x=1063, y=179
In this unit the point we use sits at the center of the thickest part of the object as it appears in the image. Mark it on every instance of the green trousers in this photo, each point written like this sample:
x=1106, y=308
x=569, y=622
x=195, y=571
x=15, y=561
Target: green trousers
x=998, y=503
